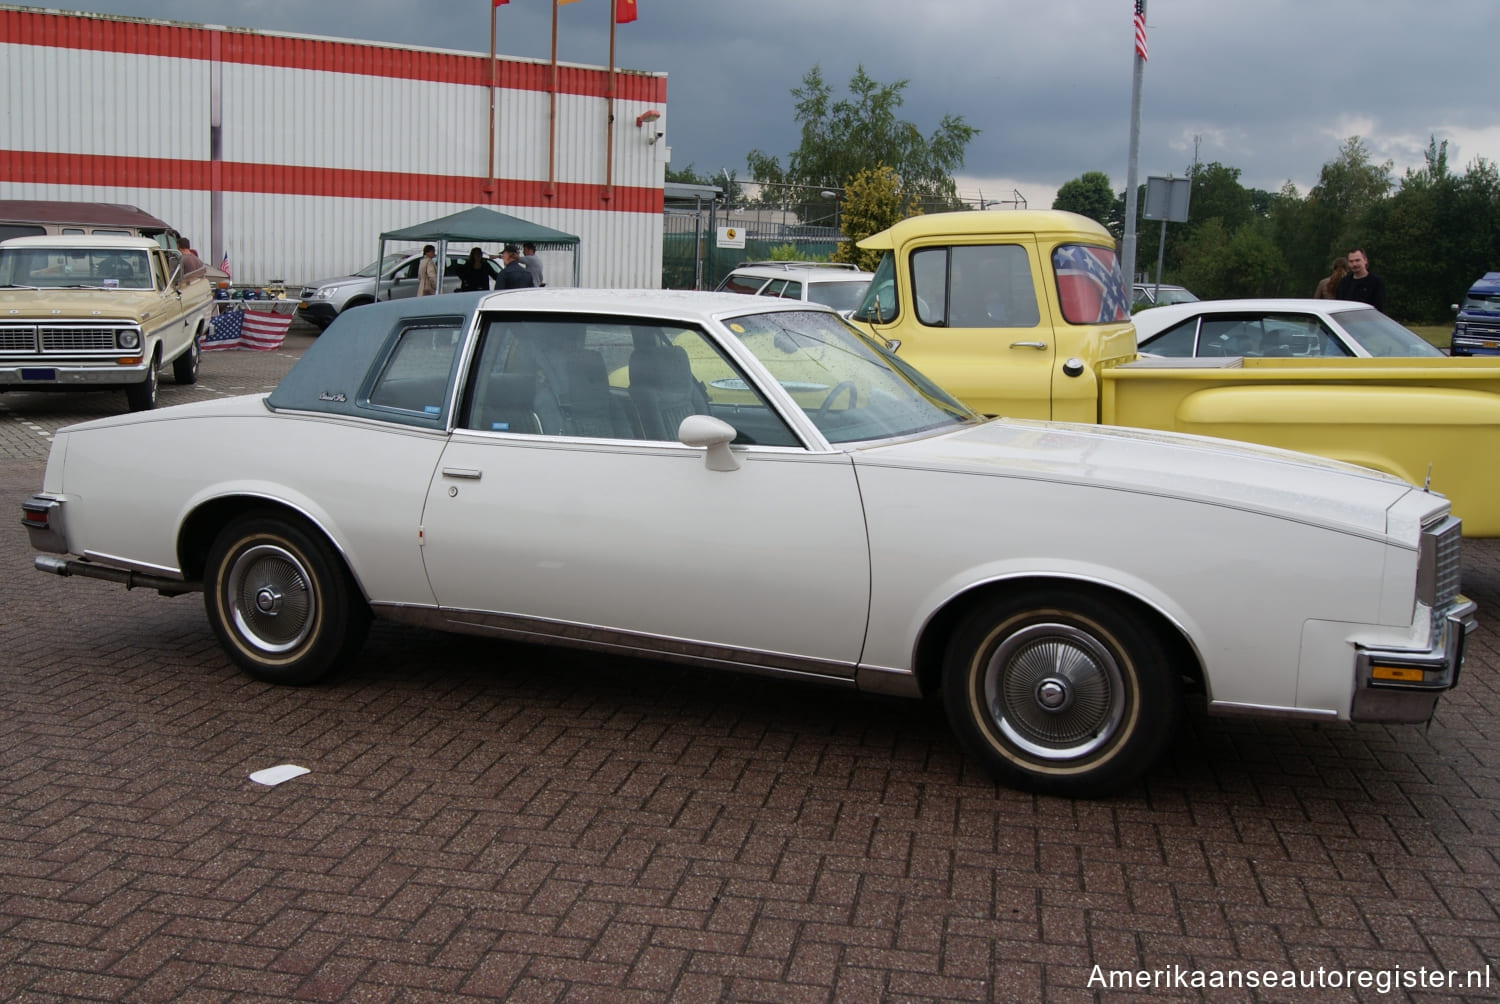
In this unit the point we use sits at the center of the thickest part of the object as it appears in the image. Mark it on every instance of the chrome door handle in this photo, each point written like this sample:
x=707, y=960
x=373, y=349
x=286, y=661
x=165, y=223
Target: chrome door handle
x=461, y=472
x=1028, y=345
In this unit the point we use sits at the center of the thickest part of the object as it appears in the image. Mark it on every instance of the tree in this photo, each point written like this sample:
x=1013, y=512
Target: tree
x=1089, y=195
x=841, y=138
x=872, y=203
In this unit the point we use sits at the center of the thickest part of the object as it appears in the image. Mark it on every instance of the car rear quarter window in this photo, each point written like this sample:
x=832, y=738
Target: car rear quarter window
x=1176, y=342
x=416, y=374
x=735, y=283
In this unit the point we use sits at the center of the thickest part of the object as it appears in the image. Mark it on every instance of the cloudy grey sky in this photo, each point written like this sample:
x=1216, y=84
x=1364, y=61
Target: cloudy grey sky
x=1269, y=86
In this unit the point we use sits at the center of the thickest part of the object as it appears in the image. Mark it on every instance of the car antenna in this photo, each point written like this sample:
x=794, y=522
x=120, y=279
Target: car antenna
x=1427, y=485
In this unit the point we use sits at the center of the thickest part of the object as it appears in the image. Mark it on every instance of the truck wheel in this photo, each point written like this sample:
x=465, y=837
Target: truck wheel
x=282, y=603
x=1059, y=693
x=142, y=396
x=185, y=366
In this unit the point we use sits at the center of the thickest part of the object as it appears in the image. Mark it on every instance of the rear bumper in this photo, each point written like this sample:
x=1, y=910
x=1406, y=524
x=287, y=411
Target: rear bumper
x=1403, y=685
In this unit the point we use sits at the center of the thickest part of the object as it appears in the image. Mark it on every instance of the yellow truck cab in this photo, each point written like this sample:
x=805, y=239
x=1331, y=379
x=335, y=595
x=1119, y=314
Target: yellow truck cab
x=1026, y=315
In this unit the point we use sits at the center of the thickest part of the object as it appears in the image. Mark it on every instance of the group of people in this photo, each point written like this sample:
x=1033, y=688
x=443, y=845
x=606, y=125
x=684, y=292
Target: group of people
x=520, y=269
x=1351, y=279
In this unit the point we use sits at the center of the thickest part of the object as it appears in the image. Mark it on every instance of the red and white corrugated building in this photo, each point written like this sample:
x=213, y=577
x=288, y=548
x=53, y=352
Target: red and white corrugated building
x=293, y=154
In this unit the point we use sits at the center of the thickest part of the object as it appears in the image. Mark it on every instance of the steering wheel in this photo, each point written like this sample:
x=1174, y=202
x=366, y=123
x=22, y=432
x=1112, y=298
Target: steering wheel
x=838, y=388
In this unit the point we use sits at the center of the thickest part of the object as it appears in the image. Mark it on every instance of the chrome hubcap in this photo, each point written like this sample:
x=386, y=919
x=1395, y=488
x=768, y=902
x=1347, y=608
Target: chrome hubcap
x=268, y=593
x=1054, y=691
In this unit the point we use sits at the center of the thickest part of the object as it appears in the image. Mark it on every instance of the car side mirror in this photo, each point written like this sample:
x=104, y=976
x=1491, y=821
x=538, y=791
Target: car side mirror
x=714, y=435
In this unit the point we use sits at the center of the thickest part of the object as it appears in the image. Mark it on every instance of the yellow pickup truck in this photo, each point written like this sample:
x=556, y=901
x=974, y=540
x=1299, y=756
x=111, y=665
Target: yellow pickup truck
x=1025, y=314
x=93, y=311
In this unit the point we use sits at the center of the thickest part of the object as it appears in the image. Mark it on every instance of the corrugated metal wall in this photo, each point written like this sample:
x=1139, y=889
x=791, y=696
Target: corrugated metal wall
x=314, y=163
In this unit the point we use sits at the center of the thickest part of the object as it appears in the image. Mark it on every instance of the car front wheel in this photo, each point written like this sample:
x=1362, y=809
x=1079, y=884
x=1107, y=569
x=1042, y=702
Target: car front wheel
x=185, y=366
x=142, y=396
x=1060, y=693
x=281, y=602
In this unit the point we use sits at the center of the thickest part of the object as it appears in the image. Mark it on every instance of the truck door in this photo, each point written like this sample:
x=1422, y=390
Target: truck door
x=989, y=343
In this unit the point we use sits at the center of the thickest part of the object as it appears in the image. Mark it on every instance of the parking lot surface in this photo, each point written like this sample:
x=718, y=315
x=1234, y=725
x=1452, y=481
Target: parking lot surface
x=484, y=820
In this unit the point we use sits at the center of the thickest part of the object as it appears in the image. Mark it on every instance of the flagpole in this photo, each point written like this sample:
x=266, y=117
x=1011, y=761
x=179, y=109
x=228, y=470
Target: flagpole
x=489, y=188
x=1127, y=249
x=609, y=134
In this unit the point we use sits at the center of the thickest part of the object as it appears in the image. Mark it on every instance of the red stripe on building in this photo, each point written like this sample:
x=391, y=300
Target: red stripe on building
x=144, y=38
x=31, y=167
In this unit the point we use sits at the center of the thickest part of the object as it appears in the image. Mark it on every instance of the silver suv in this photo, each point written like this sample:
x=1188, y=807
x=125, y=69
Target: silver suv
x=835, y=284
x=325, y=299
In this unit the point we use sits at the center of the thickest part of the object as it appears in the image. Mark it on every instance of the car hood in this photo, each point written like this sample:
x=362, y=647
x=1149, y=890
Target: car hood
x=77, y=304
x=1215, y=471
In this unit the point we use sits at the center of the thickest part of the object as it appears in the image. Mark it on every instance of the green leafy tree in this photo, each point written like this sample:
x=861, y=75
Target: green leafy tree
x=1089, y=195
x=842, y=137
x=873, y=202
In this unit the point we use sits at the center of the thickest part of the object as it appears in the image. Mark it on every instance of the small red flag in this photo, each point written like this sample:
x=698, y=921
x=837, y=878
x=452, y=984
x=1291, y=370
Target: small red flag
x=624, y=11
x=497, y=3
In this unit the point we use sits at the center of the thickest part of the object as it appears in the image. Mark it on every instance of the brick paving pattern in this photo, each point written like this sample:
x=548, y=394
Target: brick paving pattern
x=487, y=821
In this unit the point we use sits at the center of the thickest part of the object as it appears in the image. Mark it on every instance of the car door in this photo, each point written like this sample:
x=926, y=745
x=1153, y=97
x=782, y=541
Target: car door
x=547, y=515
x=989, y=343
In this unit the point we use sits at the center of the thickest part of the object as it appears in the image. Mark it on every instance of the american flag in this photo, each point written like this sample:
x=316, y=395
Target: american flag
x=246, y=329
x=1090, y=285
x=1140, y=29
x=224, y=265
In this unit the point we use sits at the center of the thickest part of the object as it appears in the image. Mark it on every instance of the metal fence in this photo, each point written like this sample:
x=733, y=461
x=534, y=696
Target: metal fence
x=692, y=259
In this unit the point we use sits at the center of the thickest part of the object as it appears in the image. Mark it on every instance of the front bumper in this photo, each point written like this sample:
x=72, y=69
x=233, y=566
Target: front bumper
x=44, y=373
x=1403, y=685
x=319, y=312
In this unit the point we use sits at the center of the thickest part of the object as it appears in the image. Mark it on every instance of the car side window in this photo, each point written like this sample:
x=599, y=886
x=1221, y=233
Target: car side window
x=1176, y=342
x=792, y=291
x=1299, y=335
x=417, y=371
x=598, y=378
x=975, y=286
x=774, y=287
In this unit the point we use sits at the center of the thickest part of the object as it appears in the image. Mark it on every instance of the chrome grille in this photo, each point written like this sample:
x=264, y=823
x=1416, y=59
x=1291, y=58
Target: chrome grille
x=18, y=339
x=78, y=339
x=1439, y=575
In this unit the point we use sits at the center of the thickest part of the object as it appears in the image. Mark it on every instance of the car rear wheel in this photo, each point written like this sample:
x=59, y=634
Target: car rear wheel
x=282, y=603
x=142, y=396
x=185, y=366
x=1059, y=692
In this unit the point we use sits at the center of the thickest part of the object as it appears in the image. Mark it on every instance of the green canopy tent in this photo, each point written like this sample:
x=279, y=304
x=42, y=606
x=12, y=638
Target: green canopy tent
x=484, y=226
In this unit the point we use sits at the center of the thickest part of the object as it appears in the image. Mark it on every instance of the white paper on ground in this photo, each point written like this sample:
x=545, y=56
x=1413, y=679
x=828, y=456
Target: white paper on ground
x=276, y=775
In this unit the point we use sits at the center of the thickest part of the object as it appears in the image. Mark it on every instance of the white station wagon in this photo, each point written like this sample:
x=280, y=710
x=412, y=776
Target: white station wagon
x=749, y=483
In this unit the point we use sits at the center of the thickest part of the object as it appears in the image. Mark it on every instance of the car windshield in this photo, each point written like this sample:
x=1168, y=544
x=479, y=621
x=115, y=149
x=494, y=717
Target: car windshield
x=879, y=304
x=1382, y=336
x=64, y=268
x=1167, y=296
x=380, y=267
x=852, y=388
x=838, y=295
x=1488, y=303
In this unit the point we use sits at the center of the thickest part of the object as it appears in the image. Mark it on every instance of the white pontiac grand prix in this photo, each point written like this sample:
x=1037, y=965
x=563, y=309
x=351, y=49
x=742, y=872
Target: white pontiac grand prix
x=752, y=484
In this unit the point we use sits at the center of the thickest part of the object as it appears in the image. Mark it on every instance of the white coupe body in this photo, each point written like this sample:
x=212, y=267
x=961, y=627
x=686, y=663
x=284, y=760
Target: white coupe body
x=1062, y=586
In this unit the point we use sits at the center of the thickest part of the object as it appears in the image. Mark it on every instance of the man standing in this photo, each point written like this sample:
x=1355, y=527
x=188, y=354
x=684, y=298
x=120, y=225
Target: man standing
x=192, y=265
x=532, y=262
x=427, y=272
x=514, y=274
x=1361, y=284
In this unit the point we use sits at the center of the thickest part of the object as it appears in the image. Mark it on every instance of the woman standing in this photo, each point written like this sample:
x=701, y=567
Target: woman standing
x=475, y=272
x=1328, y=287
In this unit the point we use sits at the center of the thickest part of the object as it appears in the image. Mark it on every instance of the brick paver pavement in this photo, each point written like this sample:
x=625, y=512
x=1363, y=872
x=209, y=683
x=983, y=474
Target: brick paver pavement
x=486, y=821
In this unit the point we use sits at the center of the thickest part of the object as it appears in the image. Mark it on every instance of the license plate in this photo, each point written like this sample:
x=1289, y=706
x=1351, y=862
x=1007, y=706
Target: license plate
x=38, y=374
